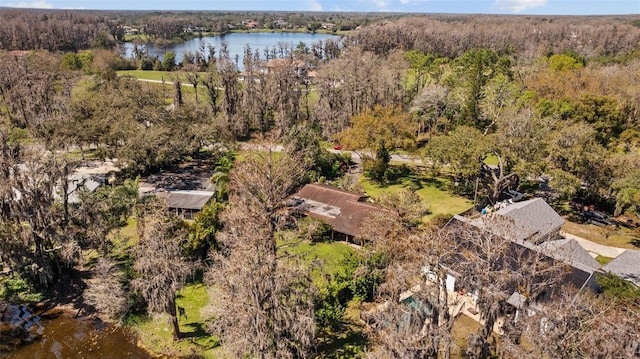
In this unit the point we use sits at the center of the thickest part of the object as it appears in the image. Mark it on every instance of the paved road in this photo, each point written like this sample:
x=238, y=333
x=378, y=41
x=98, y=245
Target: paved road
x=165, y=82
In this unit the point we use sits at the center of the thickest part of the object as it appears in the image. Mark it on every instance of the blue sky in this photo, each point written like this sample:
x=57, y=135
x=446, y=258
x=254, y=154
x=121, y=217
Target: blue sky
x=532, y=7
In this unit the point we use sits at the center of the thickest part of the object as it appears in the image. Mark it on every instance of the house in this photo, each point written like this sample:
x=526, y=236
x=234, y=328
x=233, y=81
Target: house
x=250, y=24
x=298, y=66
x=532, y=226
x=626, y=266
x=531, y=220
x=82, y=182
x=343, y=211
x=186, y=189
x=186, y=204
x=280, y=24
x=583, y=266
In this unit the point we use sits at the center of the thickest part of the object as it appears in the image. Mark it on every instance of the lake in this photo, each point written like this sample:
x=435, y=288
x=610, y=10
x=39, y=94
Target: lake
x=236, y=43
x=66, y=337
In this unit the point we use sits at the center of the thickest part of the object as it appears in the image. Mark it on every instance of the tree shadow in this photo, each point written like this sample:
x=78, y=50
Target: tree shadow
x=197, y=331
x=347, y=343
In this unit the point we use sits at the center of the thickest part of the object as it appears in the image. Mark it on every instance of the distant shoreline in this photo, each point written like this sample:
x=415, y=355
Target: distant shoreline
x=192, y=36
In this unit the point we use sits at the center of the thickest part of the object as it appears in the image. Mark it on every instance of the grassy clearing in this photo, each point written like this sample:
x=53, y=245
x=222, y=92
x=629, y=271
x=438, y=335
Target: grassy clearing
x=325, y=259
x=327, y=256
x=620, y=237
x=431, y=190
x=156, y=333
x=350, y=342
x=148, y=74
x=168, y=76
x=462, y=328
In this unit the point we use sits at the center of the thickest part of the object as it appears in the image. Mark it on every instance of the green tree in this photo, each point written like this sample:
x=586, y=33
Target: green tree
x=220, y=176
x=420, y=64
x=565, y=62
x=615, y=288
x=202, y=233
x=388, y=125
x=169, y=61
x=462, y=149
x=377, y=167
x=472, y=72
x=574, y=150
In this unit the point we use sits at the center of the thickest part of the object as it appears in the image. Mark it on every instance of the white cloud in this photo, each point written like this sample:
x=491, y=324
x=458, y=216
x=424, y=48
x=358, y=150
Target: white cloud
x=32, y=5
x=315, y=5
x=381, y=5
x=517, y=6
x=404, y=2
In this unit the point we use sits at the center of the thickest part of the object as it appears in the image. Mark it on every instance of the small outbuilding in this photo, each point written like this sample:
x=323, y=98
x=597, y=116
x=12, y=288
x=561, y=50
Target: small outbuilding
x=186, y=204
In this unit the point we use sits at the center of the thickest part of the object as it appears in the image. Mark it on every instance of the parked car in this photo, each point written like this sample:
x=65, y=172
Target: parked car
x=599, y=218
x=514, y=196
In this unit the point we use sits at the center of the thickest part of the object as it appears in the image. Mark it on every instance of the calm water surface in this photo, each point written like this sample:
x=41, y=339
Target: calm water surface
x=236, y=43
x=68, y=338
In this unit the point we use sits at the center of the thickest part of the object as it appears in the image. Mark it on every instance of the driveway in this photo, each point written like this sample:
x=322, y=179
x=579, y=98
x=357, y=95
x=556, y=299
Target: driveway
x=595, y=248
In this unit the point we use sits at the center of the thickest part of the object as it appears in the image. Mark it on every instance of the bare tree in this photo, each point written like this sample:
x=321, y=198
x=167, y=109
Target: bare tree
x=162, y=269
x=582, y=325
x=265, y=305
x=105, y=291
x=193, y=76
x=415, y=314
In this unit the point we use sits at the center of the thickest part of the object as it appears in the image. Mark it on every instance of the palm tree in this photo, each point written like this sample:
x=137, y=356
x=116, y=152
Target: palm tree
x=220, y=175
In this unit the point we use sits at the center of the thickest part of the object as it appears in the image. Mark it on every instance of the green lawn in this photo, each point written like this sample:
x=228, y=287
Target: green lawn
x=620, y=237
x=431, y=190
x=603, y=260
x=154, y=75
x=148, y=74
x=156, y=333
x=327, y=255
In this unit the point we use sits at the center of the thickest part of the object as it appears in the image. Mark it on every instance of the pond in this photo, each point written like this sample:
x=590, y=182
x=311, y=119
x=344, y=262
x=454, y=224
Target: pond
x=67, y=337
x=236, y=43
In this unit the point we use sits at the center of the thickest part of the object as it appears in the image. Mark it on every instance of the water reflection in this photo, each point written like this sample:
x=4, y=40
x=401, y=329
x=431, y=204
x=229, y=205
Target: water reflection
x=236, y=43
x=67, y=337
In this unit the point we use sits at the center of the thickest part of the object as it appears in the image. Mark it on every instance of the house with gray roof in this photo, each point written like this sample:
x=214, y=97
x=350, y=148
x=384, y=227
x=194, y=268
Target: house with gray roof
x=532, y=225
x=626, y=266
x=570, y=252
x=185, y=204
x=82, y=182
x=531, y=220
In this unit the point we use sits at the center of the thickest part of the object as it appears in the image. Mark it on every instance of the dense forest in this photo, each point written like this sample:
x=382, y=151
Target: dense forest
x=545, y=105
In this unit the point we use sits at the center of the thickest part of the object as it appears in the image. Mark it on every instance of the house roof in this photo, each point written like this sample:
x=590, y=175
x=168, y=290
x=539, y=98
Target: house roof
x=517, y=300
x=532, y=220
x=626, y=266
x=82, y=181
x=570, y=252
x=186, y=199
x=283, y=62
x=343, y=210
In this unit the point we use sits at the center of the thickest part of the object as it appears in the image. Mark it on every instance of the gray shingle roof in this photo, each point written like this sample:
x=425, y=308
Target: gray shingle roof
x=531, y=220
x=186, y=199
x=570, y=252
x=626, y=265
x=82, y=181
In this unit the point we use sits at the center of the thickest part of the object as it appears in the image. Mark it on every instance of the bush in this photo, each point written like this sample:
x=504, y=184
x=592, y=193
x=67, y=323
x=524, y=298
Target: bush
x=17, y=289
x=314, y=230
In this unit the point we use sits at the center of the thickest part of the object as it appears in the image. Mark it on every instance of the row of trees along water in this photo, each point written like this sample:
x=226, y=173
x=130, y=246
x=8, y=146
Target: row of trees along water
x=558, y=102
